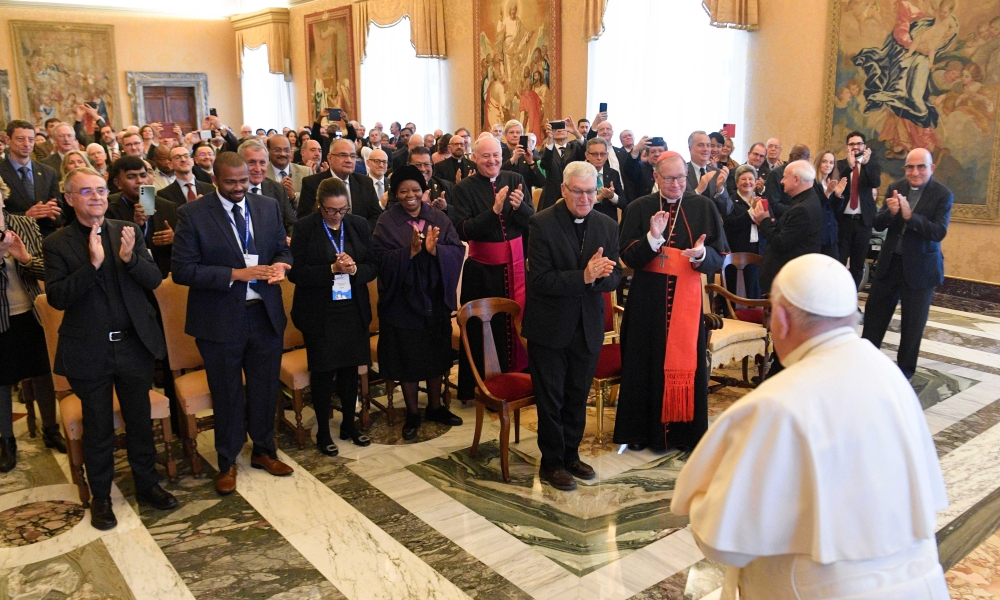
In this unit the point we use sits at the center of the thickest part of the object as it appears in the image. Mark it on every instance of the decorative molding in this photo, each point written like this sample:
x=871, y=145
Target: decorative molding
x=104, y=9
x=137, y=80
x=261, y=17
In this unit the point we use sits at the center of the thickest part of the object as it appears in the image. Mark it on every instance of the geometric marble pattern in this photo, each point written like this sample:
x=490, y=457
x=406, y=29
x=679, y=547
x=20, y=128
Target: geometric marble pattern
x=37, y=522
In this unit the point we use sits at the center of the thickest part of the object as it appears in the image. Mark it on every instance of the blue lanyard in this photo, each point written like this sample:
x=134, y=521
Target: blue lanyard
x=332, y=241
x=246, y=220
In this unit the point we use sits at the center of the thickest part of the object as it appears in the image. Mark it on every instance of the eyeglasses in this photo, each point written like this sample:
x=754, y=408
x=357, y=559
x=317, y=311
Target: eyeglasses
x=344, y=156
x=376, y=161
x=336, y=211
x=180, y=155
x=598, y=154
x=674, y=180
x=591, y=192
x=88, y=193
x=855, y=144
x=915, y=167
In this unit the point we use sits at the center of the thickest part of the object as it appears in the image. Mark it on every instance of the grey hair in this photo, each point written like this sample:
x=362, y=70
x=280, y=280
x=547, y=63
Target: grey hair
x=740, y=170
x=803, y=170
x=597, y=140
x=579, y=169
x=251, y=144
x=691, y=137
x=510, y=124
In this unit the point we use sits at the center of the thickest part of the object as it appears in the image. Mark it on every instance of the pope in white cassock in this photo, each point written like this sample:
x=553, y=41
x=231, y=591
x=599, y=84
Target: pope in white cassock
x=824, y=481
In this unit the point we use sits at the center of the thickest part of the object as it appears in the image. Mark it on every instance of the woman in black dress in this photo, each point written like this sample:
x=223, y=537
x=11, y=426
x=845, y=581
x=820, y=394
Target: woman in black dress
x=332, y=263
x=420, y=258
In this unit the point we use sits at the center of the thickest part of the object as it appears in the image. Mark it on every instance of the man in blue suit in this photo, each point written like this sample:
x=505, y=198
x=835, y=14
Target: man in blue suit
x=230, y=248
x=917, y=211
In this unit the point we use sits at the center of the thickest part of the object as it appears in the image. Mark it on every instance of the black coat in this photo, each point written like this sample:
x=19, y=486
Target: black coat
x=871, y=178
x=364, y=201
x=923, y=263
x=46, y=188
x=449, y=168
x=176, y=194
x=72, y=285
x=610, y=177
x=795, y=233
x=640, y=173
x=738, y=226
x=557, y=297
x=166, y=212
x=554, y=166
x=530, y=173
x=273, y=189
x=201, y=175
x=833, y=205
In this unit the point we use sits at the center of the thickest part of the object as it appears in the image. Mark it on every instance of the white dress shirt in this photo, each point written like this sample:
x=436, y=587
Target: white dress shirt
x=226, y=204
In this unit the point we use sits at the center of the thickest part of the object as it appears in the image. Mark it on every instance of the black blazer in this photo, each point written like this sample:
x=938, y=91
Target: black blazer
x=364, y=202
x=923, y=263
x=46, y=188
x=205, y=254
x=313, y=254
x=530, y=173
x=611, y=177
x=201, y=175
x=557, y=297
x=273, y=189
x=176, y=194
x=738, y=225
x=448, y=169
x=871, y=177
x=778, y=201
x=640, y=173
x=166, y=212
x=795, y=233
x=719, y=196
x=72, y=285
x=553, y=166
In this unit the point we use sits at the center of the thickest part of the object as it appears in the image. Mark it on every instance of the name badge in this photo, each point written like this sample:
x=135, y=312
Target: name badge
x=341, y=286
x=251, y=261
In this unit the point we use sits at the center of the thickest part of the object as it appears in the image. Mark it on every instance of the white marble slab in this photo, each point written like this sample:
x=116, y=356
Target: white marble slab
x=146, y=570
x=971, y=472
x=951, y=351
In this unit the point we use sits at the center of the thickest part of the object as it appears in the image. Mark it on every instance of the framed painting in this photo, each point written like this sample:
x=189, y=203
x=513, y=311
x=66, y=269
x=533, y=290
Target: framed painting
x=517, y=62
x=60, y=66
x=4, y=98
x=330, y=63
x=921, y=74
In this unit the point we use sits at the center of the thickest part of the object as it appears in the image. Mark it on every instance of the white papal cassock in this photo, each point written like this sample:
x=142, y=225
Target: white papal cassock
x=821, y=483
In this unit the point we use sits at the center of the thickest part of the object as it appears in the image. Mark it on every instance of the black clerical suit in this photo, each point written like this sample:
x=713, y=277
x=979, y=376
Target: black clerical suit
x=855, y=230
x=108, y=340
x=236, y=334
x=530, y=173
x=273, y=189
x=121, y=209
x=720, y=196
x=798, y=231
x=553, y=164
x=363, y=200
x=564, y=323
x=178, y=195
x=471, y=210
x=45, y=183
x=640, y=173
x=909, y=267
x=777, y=200
x=201, y=175
x=453, y=169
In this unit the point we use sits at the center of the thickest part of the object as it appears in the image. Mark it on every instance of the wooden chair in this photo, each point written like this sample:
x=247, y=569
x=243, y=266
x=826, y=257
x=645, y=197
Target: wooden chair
x=191, y=387
x=366, y=376
x=536, y=196
x=741, y=260
x=737, y=339
x=71, y=409
x=609, y=364
x=294, y=369
x=502, y=392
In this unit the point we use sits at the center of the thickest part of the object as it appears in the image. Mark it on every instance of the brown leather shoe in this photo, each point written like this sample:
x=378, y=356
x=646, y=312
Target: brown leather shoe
x=559, y=479
x=271, y=465
x=581, y=470
x=225, y=481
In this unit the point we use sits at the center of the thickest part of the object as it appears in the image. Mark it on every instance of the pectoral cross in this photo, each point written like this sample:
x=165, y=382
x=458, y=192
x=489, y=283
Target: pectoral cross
x=663, y=258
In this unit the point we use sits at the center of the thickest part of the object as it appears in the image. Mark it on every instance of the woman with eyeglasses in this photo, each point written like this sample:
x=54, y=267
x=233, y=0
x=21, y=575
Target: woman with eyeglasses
x=23, y=353
x=333, y=262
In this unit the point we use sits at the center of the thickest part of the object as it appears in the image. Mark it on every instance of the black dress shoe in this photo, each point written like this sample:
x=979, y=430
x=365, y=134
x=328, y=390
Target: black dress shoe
x=561, y=479
x=326, y=446
x=8, y=454
x=637, y=447
x=581, y=470
x=411, y=426
x=355, y=436
x=156, y=497
x=443, y=416
x=101, y=515
x=53, y=438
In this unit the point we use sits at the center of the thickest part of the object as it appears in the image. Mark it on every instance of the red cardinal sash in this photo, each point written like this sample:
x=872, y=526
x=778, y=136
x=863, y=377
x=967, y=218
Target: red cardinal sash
x=511, y=255
x=681, y=357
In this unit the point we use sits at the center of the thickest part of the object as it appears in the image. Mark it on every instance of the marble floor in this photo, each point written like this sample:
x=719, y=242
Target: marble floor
x=427, y=520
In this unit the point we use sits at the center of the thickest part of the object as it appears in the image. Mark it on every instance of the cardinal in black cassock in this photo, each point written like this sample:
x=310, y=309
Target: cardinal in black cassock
x=647, y=395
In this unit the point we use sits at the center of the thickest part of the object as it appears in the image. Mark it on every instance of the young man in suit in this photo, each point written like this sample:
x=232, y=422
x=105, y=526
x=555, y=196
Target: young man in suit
x=610, y=196
x=157, y=229
x=361, y=200
x=573, y=253
x=99, y=271
x=230, y=248
x=186, y=187
x=854, y=224
x=917, y=212
x=559, y=152
x=256, y=157
x=704, y=178
x=34, y=187
x=281, y=169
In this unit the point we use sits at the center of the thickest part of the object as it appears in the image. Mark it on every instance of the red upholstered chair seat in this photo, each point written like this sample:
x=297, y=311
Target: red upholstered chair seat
x=750, y=315
x=610, y=362
x=510, y=386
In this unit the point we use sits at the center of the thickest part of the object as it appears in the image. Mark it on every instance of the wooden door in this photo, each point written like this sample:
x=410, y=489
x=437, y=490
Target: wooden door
x=171, y=105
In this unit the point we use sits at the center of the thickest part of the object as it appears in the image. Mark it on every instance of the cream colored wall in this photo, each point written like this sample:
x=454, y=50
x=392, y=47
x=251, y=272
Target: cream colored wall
x=149, y=43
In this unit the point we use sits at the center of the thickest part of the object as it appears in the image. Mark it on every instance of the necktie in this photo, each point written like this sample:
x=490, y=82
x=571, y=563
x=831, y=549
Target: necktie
x=241, y=228
x=255, y=190
x=190, y=195
x=703, y=171
x=379, y=190
x=282, y=174
x=855, y=176
x=600, y=181
x=560, y=151
x=29, y=183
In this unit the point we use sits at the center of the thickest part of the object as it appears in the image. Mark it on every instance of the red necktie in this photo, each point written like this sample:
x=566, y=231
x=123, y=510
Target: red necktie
x=191, y=195
x=855, y=176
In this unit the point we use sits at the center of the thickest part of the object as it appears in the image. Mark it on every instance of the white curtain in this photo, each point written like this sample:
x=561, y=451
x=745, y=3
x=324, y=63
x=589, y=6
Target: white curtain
x=398, y=86
x=665, y=71
x=267, y=97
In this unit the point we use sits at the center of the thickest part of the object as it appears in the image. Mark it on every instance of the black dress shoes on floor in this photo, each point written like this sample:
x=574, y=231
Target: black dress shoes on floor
x=411, y=426
x=53, y=438
x=8, y=454
x=358, y=438
x=156, y=497
x=101, y=515
x=561, y=479
x=637, y=447
x=326, y=446
x=443, y=416
x=581, y=470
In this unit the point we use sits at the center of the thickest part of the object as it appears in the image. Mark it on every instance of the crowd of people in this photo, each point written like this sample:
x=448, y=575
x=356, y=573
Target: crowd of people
x=334, y=207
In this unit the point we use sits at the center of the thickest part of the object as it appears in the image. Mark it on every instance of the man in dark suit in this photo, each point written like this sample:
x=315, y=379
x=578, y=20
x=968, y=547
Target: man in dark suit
x=755, y=158
x=256, y=156
x=559, y=152
x=157, y=231
x=362, y=200
x=639, y=168
x=99, y=272
x=186, y=187
x=203, y=155
x=798, y=230
x=407, y=141
x=704, y=178
x=34, y=187
x=519, y=160
x=773, y=158
x=573, y=254
x=910, y=264
x=440, y=190
x=617, y=157
x=778, y=199
x=457, y=166
x=610, y=195
x=230, y=247
x=854, y=224
x=64, y=139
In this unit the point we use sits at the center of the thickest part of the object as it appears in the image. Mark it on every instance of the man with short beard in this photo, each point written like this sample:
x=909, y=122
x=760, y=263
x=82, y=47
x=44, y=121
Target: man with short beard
x=456, y=167
x=164, y=173
x=402, y=153
x=203, y=156
x=311, y=155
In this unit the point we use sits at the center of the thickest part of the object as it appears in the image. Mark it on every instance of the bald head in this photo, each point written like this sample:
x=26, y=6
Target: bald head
x=161, y=158
x=414, y=141
x=919, y=167
x=378, y=163
x=487, y=156
x=799, y=152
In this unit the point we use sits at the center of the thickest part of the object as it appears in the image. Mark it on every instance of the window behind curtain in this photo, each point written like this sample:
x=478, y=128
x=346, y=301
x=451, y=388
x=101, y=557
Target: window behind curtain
x=267, y=97
x=398, y=86
x=664, y=71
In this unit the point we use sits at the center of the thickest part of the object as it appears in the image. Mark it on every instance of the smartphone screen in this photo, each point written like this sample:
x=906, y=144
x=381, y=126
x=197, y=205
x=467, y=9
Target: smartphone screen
x=558, y=124
x=729, y=129
x=333, y=113
x=524, y=142
x=213, y=112
x=168, y=131
x=205, y=134
x=604, y=107
x=147, y=199
x=763, y=202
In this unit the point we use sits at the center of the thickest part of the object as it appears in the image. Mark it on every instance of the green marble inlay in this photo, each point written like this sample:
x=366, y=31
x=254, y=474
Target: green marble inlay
x=583, y=530
x=934, y=386
x=87, y=572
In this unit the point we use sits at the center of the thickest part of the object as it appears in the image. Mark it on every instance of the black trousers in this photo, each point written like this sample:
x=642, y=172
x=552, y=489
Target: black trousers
x=129, y=372
x=855, y=239
x=322, y=385
x=882, y=300
x=254, y=350
x=562, y=378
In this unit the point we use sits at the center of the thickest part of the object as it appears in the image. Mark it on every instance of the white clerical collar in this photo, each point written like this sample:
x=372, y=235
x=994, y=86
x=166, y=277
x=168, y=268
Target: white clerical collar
x=809, y=345
x=670, y=200
x=493, y=179
x=579, y=221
